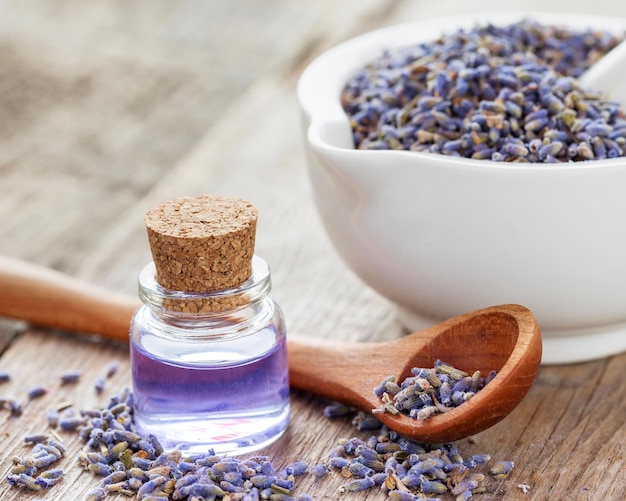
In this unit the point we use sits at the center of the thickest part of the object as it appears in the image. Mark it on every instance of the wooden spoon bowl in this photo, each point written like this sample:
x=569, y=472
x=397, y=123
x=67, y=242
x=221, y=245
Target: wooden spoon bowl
x=502, y=338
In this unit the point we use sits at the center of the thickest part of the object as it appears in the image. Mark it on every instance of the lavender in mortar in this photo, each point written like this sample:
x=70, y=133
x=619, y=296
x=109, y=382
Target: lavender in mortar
x=429, y=391
x=507, y=94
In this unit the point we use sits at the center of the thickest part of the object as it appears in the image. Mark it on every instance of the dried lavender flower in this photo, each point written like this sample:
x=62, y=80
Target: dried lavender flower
x=409, y=470
x=99, y=385
x=502, y=93
x=337, y=409
x=501, y=469
x=96, y=494
x=70, y=377
x=297, y=469
x=134, y=465
x=319, y=470
x=431, y=391
x=52, y=416
x=36, y=392
x=338, y=462
x=111, y=370
x=71, y=423
x=35, y=438
x=360, y=484
x=30, y=471
x=14, y=406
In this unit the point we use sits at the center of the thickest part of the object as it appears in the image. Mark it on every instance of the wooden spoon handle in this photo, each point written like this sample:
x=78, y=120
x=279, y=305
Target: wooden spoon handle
x=346, y=372
x=48, y=298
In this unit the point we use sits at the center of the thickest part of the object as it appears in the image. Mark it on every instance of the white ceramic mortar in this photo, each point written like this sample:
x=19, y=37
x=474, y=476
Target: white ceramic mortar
x=440, y=236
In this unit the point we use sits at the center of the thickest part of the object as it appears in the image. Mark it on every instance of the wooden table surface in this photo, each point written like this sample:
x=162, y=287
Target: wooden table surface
x=109, y=108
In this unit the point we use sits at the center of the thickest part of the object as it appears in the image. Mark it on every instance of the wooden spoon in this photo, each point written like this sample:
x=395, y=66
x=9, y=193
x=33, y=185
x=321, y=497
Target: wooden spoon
x=503, y=338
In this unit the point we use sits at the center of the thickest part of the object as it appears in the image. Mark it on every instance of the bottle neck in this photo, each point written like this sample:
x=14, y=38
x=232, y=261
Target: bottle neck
x=225, y=310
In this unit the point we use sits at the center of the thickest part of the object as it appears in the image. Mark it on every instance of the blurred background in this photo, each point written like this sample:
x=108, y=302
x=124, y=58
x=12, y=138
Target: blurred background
x=100, y=99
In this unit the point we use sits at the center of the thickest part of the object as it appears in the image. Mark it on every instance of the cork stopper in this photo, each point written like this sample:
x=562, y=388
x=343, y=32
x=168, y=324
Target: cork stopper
x=203, y=243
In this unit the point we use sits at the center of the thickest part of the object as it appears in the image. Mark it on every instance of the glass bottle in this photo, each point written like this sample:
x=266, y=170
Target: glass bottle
x=209, y=368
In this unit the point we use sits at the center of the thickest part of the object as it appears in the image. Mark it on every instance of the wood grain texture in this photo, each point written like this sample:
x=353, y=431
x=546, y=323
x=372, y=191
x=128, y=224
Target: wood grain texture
x=109, y=109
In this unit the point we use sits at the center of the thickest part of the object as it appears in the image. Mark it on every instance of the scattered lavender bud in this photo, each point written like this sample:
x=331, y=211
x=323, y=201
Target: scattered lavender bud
x=97, y=494
x=100, y=469
x=115, y=477
x=338, y=462
x=36, y=392
x=23, y=480
x=99, y=385
x=464, y=496
x=297, y=469
x=262, y=481
x=52, y=416
x=111, y=370
x=501, y=469
x=134, y=484
x=4, y=376
x=158, y=449
x=470, y=484
x=70, y=377
x=360, y=470
x=277, y=496
x=23, y=465
x=401, y=496
x=45, y=461
x=337, y=410
x=364, y=421
x=360, y=484
x=52, y=473
x=319, y=470
x=56, y=444
x=14, y=406
x=71, y=423
x=35, y=438
x=481, y=458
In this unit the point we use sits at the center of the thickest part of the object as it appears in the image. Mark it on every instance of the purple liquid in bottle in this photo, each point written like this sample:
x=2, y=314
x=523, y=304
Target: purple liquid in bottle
x=222, y=395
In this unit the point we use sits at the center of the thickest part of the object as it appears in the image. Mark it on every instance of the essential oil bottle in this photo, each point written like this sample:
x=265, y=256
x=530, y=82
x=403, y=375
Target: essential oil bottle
x=208, y=353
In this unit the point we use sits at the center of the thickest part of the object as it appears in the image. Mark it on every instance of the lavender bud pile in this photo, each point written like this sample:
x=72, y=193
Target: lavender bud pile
x=407, y=470
x=506, y=94
x=33, y=471
x=128, y=463
x=137, y=466
x=429, y=391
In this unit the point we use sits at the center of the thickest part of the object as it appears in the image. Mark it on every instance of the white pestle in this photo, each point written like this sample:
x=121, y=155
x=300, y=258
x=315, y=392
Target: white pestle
x=608, y=75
